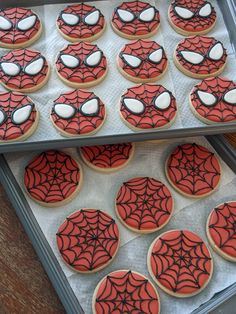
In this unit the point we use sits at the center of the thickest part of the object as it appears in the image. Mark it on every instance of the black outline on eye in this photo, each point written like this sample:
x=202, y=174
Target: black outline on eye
x=17, y=109
x=69, y=105
x=213, y=104
x=5, y=116
x=204, y=17
x=223, y=98
x=99, y=16
x=180, y=53
x=81, y=19
x=92, y=114
x=161, y=48
x=67, y=54
x=89, y=55
x=17, y=64
x=25, y=30
x=125, y=106
x=136, y=16
x=194, y=14
x=156, y=97
x=78, y=17
x=121, y=55
x=208, y=53
x=6, y=30
x=151, y=7
x=39, y=57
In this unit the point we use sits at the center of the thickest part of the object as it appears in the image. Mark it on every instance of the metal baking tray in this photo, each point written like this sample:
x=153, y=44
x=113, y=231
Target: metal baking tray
x=228, y=8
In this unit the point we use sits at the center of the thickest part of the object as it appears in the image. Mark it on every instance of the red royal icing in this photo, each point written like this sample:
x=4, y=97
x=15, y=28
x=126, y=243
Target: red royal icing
x=193, y=169
x=144, y=203
x=88, y=239
x=125, y=291
x=52, y=177
x=181, y=262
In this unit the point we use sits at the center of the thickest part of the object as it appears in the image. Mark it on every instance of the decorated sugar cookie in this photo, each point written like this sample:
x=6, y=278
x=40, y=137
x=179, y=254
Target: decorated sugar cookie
x=189, y=17
x=18, y=117
x=200, y=56
x=180, y=263
x=135, y=19
x=88, y=240
x=221, y=230
x=144, y=204
x=24, y=70
x=80, y=22
x=107, y=158
x=78, y=113
x=81, y=65
x=52, y=178
x=19, y=27
x=125, y=291
x=142, y=61
x=193, y=170
x=148, y=107
x=214, y=100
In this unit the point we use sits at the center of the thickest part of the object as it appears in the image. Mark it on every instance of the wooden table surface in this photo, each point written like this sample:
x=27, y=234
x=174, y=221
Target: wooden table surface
x=24, y=285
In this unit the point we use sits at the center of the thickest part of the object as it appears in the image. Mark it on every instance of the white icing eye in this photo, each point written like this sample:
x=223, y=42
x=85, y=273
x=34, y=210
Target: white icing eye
x=156, y=56
x=90, y=107
x=94, y=59
x=26, y=23
x=70, y=19
x=163, y=101
x=92, y=18
x=147, y=15
x=133, y=105
x=192, y=57
x=34, y=67
x=5, y=24
x=21, y=115
x=184, y=13
x=10, y=68
x=132, y=61
x=64, y=111
x=3, y=116
x=230, y=97
x=206, y=10
x=207, y=99
x=216, y=52
x=125, y=16
x=70, y=61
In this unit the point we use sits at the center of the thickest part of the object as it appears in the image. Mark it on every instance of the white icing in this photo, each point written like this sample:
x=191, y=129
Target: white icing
x=2, y=116
x=184, y=13
x=134, y=105
x=64, y=111
x=216, y=52
x=132, y=61
x=70, y=61
x=94, y=58
x=21, y=115
x=5, y=25
x=206, y=10
x=163, y=101
x=92, y=18
x=70, y=19
x=90, y=107
x=26, y=23
x=207, y=99
x=125, y=16
x=10, y=68
x=230, y=96
x=147, y=15
x=156, y=55
x=34, y=67
x=192, y=57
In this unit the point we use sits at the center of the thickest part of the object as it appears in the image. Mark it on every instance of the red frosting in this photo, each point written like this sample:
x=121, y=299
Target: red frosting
x=181, y=262
x=152, y=116
x=125, y=291
x=88, y=239
x=193, y=170
x=10, y=102
x=220, y=111
x=14, y=35
x=52, y=177
x=143, y=49
x=144, y=204
x=79, y=123
x=222, y=228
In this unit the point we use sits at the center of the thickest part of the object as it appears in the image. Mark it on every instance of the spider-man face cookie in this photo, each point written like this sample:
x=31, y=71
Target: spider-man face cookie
x=142, y=61
x=81, y=22
x=18, y=117
x=214, y=100
x=78, y=113
x=135, y=19
x=23, y=70
x=81, y=65
x=148, y=106
x=200, y=56
x=19, y=27
x=192, y=17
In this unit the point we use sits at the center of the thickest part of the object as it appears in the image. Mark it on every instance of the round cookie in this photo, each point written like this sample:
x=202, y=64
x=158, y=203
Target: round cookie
x=148, y=107
x=214, y=100
x=142, y=61
x=53, y=178
x=135, y=19
x=78, y=112
x=180, y=263
x=125, y=291
x=107, y=158
x=19, y=28
x=193, y=170
x=144, y=204
x=18, y=117
x=200, y=57
x=24, y=70
x=221, y=230
x=81, y=22
x=189, y=17
x=88, y=240
x=81, y=65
